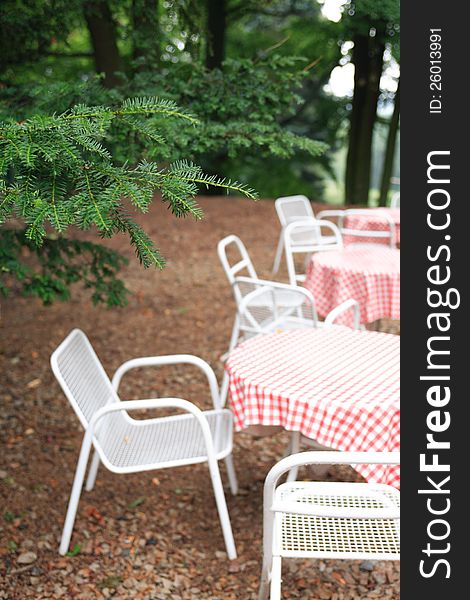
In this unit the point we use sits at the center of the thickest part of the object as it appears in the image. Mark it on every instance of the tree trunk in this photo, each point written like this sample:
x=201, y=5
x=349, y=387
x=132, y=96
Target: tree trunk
x=390, y=149
x=215, y=34
x=368, y=62
x=145, y=31
x=103, y=36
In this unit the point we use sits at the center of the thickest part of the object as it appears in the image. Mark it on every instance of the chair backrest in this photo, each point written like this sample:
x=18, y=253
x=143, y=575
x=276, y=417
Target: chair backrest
x=293, y=208
x=352, y=234
x=273, y=306
x=306, y=237
x=81, y=376
x=395, y=201
x=242, y=265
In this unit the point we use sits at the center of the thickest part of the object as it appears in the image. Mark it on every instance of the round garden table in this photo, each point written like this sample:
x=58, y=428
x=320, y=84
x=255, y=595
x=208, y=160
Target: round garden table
x=369, y=275
x=369, y=220
x=335, y=385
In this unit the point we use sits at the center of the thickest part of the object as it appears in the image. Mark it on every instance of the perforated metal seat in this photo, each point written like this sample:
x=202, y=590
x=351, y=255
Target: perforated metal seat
x=323, y=537
x=142, y=445
x=128, y=445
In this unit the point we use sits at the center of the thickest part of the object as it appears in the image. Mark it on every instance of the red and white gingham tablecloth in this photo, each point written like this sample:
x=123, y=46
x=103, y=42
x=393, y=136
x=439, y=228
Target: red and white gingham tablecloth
x=369, y=275
x=369, y=220
x=338, y=386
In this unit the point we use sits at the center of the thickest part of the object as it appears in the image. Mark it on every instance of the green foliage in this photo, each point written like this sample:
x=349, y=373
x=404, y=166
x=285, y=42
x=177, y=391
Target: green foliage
x=241, y=110
x=57, y=171
x=30, y=26
x=383, y=16
x=48, y=271
x=241, y=107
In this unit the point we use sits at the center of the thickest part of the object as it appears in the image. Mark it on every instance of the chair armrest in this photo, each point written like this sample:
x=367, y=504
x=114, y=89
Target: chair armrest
x=342, y=308
x=372, y=232
x=388, y=510
x=146, y=404
x=326, y=458
x=274, y=284
x=171, y=359
x=256, y=281
x=329, y=213
x=336, y=512
x=299, y=508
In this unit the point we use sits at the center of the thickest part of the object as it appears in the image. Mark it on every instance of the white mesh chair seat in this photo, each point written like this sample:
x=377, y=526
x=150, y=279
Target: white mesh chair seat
x=126, y=444
x=327, y=520
x=325, y=537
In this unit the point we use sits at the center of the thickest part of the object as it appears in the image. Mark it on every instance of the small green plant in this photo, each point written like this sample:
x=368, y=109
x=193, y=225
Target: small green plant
x=75, y=550
x=8, y=516
x=137, y=502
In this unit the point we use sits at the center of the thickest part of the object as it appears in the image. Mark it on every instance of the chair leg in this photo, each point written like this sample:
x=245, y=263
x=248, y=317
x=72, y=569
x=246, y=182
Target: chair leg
x=224, y=389
x=276, y=578
x=263, y=593
x=277, y=258
x=294, y=448
x=75, y=495
x=233, y=343
x=92, y=472
x=232, y=476
x=222, y=508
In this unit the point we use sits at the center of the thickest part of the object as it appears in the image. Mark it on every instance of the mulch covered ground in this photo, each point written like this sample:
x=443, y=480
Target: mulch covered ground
x=150, y=535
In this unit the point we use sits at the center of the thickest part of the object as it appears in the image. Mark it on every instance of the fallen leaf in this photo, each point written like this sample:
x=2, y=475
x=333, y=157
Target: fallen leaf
x=34, y=383
x=93, y=513
x=26, y=558
x=338, y=578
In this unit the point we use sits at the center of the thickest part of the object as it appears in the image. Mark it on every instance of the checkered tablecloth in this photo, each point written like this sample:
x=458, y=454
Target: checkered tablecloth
x=337, y=386
x=370, y=220
x=369, y=275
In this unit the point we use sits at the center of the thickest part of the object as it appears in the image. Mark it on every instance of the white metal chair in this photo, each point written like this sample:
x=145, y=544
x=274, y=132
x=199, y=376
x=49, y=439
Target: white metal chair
x=306, y=237
x=285, y=294
x=290, y=209
x=387, y=234
x=327, y=520
x=288, y=295
x=242, y=276
x=395, y=201
x=127, y=445
x=233, y=268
